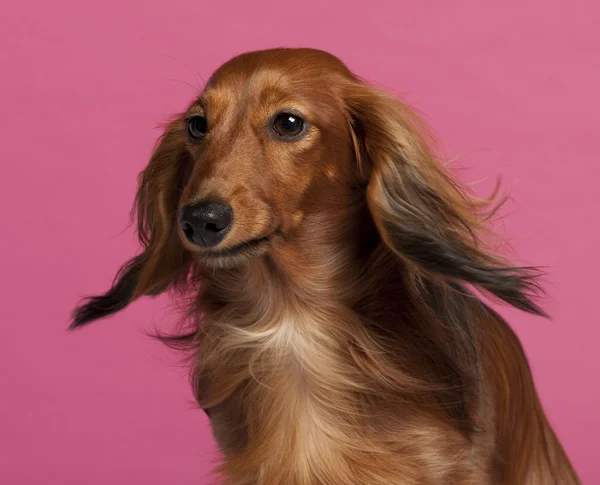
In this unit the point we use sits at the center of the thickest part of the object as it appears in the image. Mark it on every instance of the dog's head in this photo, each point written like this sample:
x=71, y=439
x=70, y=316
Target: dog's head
x=283, y=135
x=269, y=128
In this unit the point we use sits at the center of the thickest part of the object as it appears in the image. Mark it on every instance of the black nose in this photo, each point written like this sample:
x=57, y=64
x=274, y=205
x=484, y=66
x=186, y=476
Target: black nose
x=206, y=222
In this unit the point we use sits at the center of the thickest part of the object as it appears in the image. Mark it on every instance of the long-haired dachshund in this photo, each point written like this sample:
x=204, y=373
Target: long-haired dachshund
x=330, y=264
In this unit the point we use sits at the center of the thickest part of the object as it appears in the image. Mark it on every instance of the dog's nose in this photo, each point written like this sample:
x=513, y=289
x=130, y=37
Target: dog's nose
x=205, y=223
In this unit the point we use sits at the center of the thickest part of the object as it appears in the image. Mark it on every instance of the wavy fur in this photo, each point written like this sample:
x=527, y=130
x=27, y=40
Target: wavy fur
x=348, y=348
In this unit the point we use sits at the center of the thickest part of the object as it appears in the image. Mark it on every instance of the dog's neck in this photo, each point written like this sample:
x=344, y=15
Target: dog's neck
x=321, y=263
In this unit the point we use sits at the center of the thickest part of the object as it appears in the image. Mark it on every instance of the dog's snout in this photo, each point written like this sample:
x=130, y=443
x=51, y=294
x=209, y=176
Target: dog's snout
x=205, y=223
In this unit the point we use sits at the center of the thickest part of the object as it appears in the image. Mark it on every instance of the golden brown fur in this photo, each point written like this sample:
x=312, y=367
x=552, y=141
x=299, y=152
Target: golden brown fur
x=344, y=349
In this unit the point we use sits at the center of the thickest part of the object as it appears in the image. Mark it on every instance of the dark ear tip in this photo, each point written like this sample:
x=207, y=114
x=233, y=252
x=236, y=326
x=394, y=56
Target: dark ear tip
x=114, y=300
x=81, y=316
x=96, y=308
x=75, y=324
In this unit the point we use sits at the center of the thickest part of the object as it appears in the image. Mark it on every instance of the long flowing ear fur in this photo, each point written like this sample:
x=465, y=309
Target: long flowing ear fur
x=424, y=215
x=163, y=263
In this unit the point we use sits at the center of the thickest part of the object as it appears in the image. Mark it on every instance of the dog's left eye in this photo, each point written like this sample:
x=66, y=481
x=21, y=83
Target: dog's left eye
x=287, y=125
x=197, y=127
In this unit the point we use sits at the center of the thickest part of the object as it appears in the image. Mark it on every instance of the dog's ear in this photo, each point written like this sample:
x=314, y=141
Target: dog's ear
x=425, y=216
x=163, y=263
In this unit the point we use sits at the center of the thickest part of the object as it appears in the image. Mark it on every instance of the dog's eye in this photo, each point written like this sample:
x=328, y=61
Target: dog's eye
x=197, y=127
x=287, y=125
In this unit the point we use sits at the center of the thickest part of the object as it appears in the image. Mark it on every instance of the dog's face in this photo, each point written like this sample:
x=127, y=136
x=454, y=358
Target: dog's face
x=266, y=130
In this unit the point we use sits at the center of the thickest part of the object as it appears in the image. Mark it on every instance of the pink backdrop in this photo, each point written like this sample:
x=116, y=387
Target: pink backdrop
x=83, y=85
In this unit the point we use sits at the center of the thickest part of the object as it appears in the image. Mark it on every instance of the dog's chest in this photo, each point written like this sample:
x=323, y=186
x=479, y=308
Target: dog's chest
x=295, y=416
x=289, y=359
x=290, y=407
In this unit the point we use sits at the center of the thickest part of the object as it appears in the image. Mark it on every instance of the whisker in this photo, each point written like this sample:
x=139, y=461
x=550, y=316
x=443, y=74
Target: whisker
x=196, y=90
x=199, y=79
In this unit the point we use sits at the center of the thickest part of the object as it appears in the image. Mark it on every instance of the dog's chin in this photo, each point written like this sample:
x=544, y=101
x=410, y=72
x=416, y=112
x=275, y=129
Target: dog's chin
x=237, y=255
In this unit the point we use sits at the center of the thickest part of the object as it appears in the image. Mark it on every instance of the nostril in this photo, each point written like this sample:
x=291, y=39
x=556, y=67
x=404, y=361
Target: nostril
x=212, y=227
x=188, y=229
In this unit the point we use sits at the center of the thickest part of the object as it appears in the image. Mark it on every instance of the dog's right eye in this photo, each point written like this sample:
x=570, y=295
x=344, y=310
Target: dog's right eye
x=197, y=127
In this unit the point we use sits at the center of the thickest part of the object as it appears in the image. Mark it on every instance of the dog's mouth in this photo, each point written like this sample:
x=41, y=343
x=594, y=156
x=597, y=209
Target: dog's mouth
x=251, y=247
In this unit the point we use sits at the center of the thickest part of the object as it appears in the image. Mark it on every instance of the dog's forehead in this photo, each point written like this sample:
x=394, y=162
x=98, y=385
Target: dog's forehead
x=283, y=76
x=290, y=69
x=279, y=60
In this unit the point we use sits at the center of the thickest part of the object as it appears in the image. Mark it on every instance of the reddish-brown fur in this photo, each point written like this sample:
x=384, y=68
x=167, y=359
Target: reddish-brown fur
x=345, y=349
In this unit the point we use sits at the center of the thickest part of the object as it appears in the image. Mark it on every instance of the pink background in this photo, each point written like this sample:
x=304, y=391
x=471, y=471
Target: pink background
x=513, y=85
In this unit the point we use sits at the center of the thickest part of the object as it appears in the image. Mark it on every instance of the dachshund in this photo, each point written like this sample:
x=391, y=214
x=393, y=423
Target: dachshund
x=333, y=275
